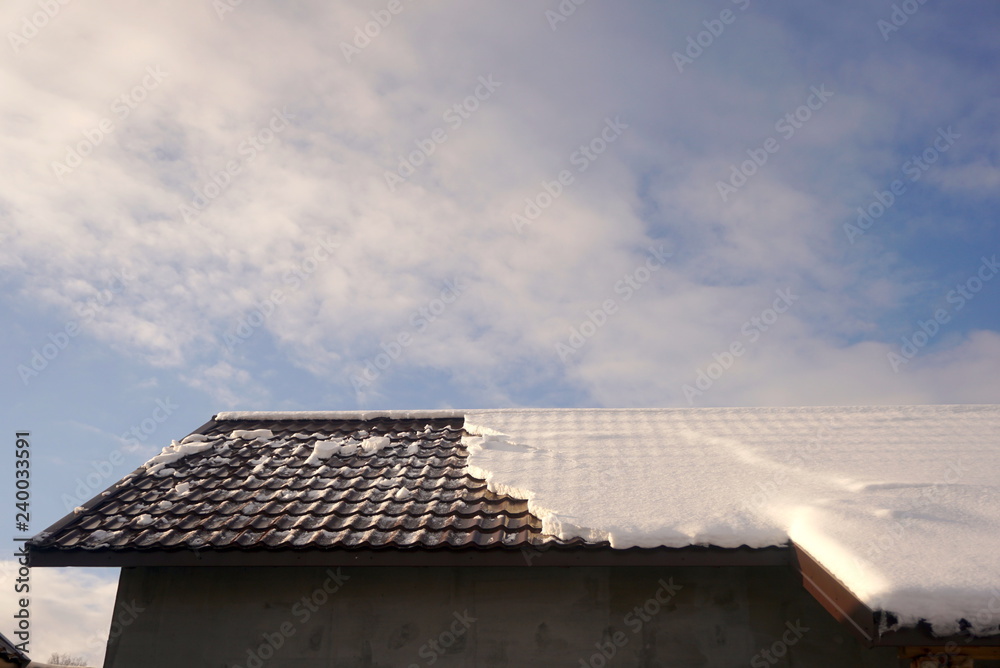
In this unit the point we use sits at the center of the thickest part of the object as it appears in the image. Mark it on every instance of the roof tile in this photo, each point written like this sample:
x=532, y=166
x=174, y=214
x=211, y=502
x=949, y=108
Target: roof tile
x=260, y=494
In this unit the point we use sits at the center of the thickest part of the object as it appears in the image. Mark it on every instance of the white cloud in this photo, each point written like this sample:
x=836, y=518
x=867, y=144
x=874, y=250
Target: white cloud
x=70, y=609
x=324, y=176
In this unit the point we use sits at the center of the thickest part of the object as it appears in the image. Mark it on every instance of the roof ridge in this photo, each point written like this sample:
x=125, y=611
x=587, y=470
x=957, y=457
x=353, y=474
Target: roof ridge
x=340, y=415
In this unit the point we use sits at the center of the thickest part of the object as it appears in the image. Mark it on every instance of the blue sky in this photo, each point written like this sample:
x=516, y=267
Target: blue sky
x=213, y=203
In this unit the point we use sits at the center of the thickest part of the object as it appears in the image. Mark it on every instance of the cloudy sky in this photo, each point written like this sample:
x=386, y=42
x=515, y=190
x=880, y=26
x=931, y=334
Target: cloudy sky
x=259, y=205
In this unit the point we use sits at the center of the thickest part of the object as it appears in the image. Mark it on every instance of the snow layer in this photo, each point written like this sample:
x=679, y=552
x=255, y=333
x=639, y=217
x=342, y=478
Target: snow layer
x=173, y=452
x=373, y=444
x=323, y=450
x=902, y=504
x=259, y=435
x=336, y=415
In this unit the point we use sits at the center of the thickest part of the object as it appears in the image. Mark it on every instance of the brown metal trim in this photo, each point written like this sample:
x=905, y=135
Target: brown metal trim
x=850, y=611
x=837, y=599
x=527, y=556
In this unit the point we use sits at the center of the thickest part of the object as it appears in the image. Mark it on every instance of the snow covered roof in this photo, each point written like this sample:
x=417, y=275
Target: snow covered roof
x=901, y=505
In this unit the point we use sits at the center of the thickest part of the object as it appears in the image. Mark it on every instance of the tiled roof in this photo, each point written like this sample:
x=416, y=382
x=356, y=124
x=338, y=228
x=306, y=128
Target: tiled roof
x=249, y=484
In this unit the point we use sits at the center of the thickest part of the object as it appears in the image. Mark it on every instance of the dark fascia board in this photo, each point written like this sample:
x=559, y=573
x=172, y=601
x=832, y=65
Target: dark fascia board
x=837, y=599
x=526, y=556
x=861, y=620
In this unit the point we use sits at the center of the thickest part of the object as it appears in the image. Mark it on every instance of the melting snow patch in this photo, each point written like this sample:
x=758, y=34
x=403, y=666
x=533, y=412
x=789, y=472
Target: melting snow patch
x=373, y=444
x=259, y=465
x=144, y=520
x=322, y=450
x=97, y=538
x=259, y=435
x=174, y=452
x=183, y=488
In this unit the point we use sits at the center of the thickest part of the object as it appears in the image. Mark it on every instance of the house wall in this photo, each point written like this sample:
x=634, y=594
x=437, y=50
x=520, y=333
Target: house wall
x=451, y=617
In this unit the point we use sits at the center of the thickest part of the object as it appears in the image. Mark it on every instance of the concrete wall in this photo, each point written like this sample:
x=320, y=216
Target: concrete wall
x=482, y=617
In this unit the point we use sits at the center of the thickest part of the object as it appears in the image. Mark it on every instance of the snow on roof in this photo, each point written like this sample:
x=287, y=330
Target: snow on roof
x=336, y=415
x=176, y=451
x=901, y=504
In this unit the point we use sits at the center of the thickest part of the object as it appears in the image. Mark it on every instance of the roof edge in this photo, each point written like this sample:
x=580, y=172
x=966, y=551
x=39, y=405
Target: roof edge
x=90, y=503
x=559, y=556
x=863, y=622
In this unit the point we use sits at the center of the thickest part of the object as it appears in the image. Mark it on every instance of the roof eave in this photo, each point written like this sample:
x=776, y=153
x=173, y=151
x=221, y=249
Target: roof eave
x=419, y=556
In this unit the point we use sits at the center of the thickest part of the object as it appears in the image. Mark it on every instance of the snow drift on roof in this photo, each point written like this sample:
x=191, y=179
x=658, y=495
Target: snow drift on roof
x=174, y=452
x=902, y=504
x=336, y=415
